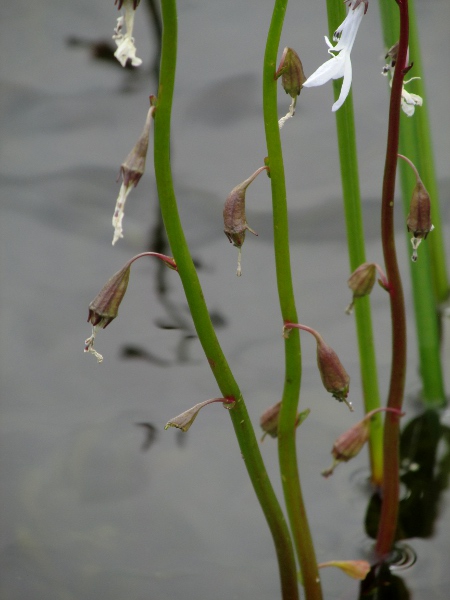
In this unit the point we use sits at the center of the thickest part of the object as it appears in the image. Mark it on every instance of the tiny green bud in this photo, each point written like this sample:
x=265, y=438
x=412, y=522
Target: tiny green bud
x=234, y=220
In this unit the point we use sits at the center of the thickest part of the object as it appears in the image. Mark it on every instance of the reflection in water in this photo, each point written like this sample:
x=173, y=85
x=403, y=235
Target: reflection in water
x=424, y=477
x=382, y=584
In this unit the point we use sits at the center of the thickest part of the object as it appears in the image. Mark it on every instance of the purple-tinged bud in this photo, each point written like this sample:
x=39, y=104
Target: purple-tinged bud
x=292, y=78
x=349, y=444
x=291, y=71
x=131, y=171
x=357, y=569
x=334, y=377
x=234, y=220
x=270, y=417
x=185, y=420
x=105, y=306
x=418, y=221
x=362, y=280
x=269, y=421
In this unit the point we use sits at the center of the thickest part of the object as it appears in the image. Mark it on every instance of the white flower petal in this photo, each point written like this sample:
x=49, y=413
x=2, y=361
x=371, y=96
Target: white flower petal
x=331, y=69
x=346, y=83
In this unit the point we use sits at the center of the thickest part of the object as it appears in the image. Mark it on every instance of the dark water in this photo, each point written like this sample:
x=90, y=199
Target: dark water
x=93, y=505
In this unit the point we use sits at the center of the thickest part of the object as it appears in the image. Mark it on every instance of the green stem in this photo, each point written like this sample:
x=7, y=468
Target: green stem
x=200, y=315
x=286, y=426
x=348, y=156
x=428, y=275
x=389, y=508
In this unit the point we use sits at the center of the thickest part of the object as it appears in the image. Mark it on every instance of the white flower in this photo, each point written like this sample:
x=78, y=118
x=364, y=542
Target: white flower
x=410, y=101
x=340, y=65
x=125, y=41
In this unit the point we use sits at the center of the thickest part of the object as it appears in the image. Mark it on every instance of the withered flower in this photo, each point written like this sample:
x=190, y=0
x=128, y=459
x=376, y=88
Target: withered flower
x=357, y=569
x=234, y=220
x=131, y=171
x=185, y=420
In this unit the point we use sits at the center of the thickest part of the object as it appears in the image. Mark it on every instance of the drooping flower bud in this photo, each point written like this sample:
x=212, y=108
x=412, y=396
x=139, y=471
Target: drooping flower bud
x=418, y=221
x=292, y=78
x=185, y=420
x=334, y=377
x=357, y=569
x=234, y=220
x=131, y=171
x=105, y=306
x=269, y=420
x=126, y=50
x=350, y=443
x=362, y=280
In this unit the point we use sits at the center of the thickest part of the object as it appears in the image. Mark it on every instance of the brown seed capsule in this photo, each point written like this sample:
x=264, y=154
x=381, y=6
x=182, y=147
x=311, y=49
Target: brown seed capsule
x=105, y=306
x=291, y=71
x=234, y=220
x=418, y=221
x=334, y=377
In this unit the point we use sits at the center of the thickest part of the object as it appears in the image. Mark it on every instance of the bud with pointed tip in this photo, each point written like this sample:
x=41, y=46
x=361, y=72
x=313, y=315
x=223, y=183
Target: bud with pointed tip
x=234, y=220
x=357, y=569
x=350, y=443
x=292, y=78
x=362, y=280
x=418, y=221
x=105, y=306
x=185, y=420
x=334, y=377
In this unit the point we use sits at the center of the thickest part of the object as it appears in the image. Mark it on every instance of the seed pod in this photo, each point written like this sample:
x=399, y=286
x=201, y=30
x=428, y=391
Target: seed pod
x=234, y=220
x=105, y=306
x=291, y=71
x=334, y=377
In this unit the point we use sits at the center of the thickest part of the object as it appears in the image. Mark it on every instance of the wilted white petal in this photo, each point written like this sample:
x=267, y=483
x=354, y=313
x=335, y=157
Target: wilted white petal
x=119, y=211
x=126, y=50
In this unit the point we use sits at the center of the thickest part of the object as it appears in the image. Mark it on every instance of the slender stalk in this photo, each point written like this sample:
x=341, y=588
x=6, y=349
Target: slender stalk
x=286, y=425
x=390, y=489
x=194, y=295
x=348, y=156
x=429, y=275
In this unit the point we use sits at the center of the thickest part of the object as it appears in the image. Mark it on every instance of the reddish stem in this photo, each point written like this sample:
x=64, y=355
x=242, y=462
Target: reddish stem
x=390, y=485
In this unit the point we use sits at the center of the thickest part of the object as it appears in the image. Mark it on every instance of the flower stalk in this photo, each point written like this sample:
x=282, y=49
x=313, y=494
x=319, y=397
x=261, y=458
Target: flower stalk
x=348, y=157
x=390, y=485
x=207, y=336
